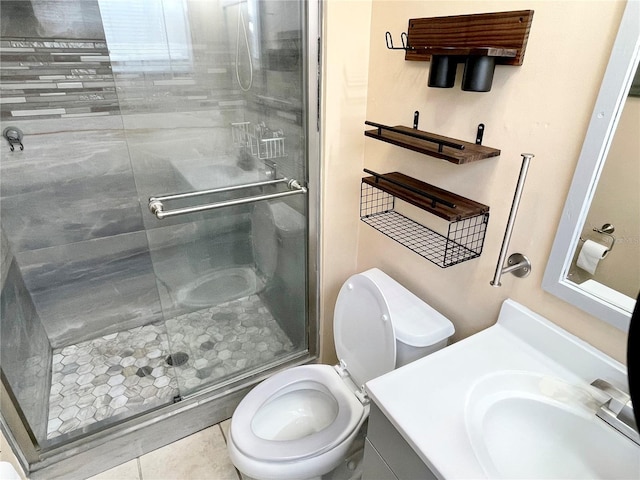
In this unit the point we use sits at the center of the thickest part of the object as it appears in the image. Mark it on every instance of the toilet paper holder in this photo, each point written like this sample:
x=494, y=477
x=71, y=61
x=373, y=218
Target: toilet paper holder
x=607, y=230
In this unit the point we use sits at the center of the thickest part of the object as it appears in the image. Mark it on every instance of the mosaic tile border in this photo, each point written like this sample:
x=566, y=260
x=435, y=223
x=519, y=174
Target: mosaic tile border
x=52, y=77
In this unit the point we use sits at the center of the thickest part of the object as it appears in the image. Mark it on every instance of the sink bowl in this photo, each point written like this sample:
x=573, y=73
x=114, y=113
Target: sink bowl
x=525, y=425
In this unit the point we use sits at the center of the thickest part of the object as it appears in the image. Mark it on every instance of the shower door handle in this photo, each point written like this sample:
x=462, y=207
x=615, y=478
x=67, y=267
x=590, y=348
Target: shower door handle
x=156, y=205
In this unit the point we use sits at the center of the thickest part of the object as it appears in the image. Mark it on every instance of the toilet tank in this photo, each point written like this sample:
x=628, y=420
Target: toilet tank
x=279, y=249
x=419, y=328
x=277, y=233
x=406, y=353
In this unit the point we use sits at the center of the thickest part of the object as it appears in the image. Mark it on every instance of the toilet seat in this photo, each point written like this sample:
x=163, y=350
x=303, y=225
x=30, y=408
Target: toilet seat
x=365, y=344
x=322, y=378
x=301, y=422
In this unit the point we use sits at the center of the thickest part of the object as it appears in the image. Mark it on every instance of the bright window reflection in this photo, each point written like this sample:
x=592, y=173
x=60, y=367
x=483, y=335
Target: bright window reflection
x=147, y=35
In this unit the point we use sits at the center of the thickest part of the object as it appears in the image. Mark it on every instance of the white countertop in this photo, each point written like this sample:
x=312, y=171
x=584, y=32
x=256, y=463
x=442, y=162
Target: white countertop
x=425, y=400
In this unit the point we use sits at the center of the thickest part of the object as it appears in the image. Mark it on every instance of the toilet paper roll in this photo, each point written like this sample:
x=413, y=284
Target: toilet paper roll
x=590, y=254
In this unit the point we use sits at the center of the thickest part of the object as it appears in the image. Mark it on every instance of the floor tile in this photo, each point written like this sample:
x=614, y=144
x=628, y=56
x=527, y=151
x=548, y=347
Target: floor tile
x=134, y=370
x=224, y=426
x=107, y=376
x=126, y=471
x=201, y=456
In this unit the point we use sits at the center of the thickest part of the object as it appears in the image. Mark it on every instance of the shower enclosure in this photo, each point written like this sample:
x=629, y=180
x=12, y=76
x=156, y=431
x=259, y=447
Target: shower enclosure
x=157, y=217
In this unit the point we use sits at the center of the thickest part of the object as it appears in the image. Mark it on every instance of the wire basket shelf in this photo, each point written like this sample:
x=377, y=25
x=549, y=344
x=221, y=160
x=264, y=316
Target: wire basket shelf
x=464, y=239
x=260, y=141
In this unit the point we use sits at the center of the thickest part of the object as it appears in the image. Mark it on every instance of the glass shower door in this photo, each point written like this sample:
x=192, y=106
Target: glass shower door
x=109, y=311
x=218, y=151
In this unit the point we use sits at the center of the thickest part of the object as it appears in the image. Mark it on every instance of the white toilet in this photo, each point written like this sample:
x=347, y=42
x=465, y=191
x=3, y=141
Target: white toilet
x=300, y=423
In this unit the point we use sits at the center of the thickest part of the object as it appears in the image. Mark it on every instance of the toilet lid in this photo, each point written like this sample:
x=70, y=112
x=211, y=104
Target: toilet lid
x=362, y=330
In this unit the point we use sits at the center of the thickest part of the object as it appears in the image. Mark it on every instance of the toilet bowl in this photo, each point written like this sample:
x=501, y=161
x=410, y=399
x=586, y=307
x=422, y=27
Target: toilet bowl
x=300, y=423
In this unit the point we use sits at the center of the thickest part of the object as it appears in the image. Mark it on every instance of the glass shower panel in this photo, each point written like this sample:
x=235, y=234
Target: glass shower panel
x=225, y=110
x=120, y=101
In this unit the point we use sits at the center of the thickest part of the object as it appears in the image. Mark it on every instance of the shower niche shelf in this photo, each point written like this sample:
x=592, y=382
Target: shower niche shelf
x=465, y=220
x=447, y=148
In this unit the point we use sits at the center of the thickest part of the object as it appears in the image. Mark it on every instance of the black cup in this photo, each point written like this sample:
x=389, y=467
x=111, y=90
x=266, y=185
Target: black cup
x=442, y=73
x=478, y=74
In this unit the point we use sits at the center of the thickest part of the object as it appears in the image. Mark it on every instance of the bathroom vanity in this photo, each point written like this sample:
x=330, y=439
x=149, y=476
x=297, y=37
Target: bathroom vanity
x=387, y=455
x=520, y=399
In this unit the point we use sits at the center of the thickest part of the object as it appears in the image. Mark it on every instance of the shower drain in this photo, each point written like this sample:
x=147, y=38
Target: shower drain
x=177, y=359
x=144, y=371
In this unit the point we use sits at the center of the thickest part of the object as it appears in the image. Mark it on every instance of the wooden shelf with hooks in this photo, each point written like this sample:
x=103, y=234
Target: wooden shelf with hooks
x=502, y=34
x=450, y=149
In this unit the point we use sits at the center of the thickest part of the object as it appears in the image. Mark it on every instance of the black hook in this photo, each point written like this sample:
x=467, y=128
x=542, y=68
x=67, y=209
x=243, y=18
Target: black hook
x=403, y=38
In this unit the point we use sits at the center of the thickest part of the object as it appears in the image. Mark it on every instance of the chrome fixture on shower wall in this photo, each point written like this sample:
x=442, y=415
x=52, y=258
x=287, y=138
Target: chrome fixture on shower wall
x=14, y=136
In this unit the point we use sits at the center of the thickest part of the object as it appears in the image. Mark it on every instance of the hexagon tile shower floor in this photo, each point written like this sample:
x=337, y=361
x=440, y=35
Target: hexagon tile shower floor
x=117, y=375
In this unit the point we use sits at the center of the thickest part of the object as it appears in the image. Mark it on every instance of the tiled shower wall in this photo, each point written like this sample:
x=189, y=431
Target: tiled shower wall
x=100, y=138
x=52, y=69
x=45, y=78
x=26, y=353
x=103, y=134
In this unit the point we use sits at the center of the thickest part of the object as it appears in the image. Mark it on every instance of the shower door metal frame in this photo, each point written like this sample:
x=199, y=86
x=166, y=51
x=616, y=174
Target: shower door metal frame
x=116, y=444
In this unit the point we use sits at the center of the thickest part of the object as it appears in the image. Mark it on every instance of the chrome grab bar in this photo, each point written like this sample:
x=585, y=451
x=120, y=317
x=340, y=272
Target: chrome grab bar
x=176, y=196
x=156, y=205
x=518, y=264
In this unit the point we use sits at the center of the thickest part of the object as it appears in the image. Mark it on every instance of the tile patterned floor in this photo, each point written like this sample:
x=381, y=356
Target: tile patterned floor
x=225, y=339
x=121, y=373
x=127, y=372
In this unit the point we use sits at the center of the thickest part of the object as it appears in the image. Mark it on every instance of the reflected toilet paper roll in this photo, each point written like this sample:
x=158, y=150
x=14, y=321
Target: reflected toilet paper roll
x=590, y=255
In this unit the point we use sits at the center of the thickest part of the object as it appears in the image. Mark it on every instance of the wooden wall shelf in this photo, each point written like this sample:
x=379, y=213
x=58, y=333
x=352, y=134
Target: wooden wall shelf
x=470, y=51
x=422, y=195
x=467, y=219
x=502, y=34
x=450, y=149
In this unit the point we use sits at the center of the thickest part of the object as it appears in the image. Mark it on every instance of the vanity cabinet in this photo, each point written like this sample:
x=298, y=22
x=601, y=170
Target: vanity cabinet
x=387, y=455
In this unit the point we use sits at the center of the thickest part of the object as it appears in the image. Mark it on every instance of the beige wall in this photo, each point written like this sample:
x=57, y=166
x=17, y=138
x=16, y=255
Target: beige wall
x=346, y=61
x=542, y=107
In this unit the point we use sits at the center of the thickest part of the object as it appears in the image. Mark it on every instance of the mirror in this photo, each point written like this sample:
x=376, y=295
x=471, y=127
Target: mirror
x=594, y=284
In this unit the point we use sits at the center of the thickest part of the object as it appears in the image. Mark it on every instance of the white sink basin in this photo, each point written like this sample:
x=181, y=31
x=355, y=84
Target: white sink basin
x=512, y=401
x=527, y=425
